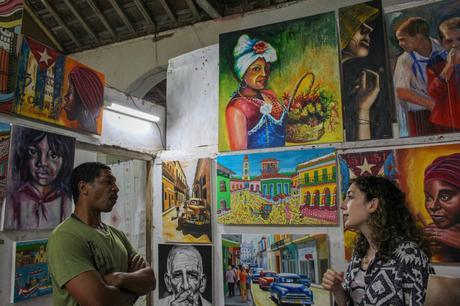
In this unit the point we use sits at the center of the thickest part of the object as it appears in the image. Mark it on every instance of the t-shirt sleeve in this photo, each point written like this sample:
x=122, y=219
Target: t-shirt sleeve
x=68, y=257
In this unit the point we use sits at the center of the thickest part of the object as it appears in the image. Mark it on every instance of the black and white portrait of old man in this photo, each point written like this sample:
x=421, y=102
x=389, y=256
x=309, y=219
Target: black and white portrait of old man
x=186, y=281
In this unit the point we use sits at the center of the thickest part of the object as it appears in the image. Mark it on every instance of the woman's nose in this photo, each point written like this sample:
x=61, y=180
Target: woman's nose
x=43, y=160
x=433, y=205
x=343, y=205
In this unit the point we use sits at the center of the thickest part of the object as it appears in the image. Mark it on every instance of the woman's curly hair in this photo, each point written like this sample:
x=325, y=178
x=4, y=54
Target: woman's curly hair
x=392, y=222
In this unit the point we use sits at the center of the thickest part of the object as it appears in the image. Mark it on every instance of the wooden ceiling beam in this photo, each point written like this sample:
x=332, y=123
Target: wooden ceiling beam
x=104, y=21
x=168, y=11
x=81, y=20
x=122, y=15
x=44, y=28
x=145, y=13
x=209, y=9
x=61, y=22
x=193, y=8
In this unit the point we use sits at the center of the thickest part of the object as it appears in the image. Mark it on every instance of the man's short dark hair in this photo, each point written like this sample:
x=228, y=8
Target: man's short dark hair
x=86, y=172
x=413, y=26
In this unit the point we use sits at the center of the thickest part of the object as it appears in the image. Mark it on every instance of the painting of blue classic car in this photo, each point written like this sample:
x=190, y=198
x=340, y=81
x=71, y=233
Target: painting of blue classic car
x=288, y=288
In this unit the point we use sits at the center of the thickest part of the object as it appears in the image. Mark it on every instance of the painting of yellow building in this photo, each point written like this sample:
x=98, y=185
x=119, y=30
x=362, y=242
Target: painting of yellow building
x=316, y=181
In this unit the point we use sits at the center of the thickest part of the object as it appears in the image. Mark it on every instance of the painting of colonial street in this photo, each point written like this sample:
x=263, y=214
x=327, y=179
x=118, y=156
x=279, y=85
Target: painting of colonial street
x=187, y=200
x=279, y=269
x=278, y=188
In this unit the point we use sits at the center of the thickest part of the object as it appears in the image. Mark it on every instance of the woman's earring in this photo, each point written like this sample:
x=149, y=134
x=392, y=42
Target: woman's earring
x=243, y=84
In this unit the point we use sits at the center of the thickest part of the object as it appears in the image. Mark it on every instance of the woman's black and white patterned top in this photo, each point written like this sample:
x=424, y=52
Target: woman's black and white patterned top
x=401, y=280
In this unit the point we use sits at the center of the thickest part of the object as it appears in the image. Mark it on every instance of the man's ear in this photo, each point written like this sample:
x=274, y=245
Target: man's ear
x=83, y=187
x=203, y=283
x=168, y=282
x=373, y=205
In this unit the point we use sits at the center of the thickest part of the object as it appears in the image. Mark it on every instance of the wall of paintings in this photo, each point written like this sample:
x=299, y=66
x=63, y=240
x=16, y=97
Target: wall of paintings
x=272, y=184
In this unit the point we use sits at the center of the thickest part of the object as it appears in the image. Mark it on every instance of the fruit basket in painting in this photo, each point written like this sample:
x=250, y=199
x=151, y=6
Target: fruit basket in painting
x=308, y=111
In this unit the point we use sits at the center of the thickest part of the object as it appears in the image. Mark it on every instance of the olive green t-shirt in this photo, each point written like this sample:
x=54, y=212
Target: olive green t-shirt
x=75, y=247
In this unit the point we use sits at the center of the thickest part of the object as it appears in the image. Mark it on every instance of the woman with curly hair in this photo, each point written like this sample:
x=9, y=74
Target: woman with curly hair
x=390, y=263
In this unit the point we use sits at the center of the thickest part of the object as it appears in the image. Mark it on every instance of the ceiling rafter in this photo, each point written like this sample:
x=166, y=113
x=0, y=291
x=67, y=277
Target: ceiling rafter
x=212, y=11
x=122, y=15
x=81, y=20
x=104, y=21
x=193, y=8
x=96, y=23
x=44, y=28
x=168, y=11
x=145, y=13
x=61, y=22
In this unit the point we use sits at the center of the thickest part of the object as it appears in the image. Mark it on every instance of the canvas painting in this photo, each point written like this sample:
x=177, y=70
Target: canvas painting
x=179, y=288
x=58, y=90
x=422, y=42
x=30, y=276
x=187, y=201
x=430, y=178
x=279, y=85
x=352, y=165
x=10, y=43
x=278, y=268
x=366, y=93
x=38, y=192
x=83, y=95
x=11, y=12
x=278, y=188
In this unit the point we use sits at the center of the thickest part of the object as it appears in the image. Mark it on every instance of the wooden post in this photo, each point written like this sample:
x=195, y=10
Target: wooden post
x=148, y=220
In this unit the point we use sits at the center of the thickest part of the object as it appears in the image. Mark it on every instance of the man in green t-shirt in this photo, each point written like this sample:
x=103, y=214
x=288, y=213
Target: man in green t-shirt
x=92, y=263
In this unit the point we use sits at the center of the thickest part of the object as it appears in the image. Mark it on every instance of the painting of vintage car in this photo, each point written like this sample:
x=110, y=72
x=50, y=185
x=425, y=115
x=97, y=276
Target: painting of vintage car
x=195, y=211
x=186, y=200
x=256, y=274
x=266, y=279
x=288, y=288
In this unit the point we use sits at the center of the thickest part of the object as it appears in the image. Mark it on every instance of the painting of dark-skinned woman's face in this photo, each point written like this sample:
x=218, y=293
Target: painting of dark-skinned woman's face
x=279, y=85
x=257, y=74
x=56, y=89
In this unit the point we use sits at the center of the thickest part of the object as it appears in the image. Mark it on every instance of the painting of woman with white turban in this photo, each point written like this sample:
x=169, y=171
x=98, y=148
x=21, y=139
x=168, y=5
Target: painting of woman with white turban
x=279, y=85
x=255, y=118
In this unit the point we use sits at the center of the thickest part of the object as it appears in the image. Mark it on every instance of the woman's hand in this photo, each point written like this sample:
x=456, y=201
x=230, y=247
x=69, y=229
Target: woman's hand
x=332, y=280
x=366, y=90
x=449, y=237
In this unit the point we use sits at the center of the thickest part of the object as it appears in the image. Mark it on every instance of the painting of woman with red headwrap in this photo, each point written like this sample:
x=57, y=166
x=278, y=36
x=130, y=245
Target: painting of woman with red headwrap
x=442, y=201
x=83, y=97
x=57, y=89
x=430, y=178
